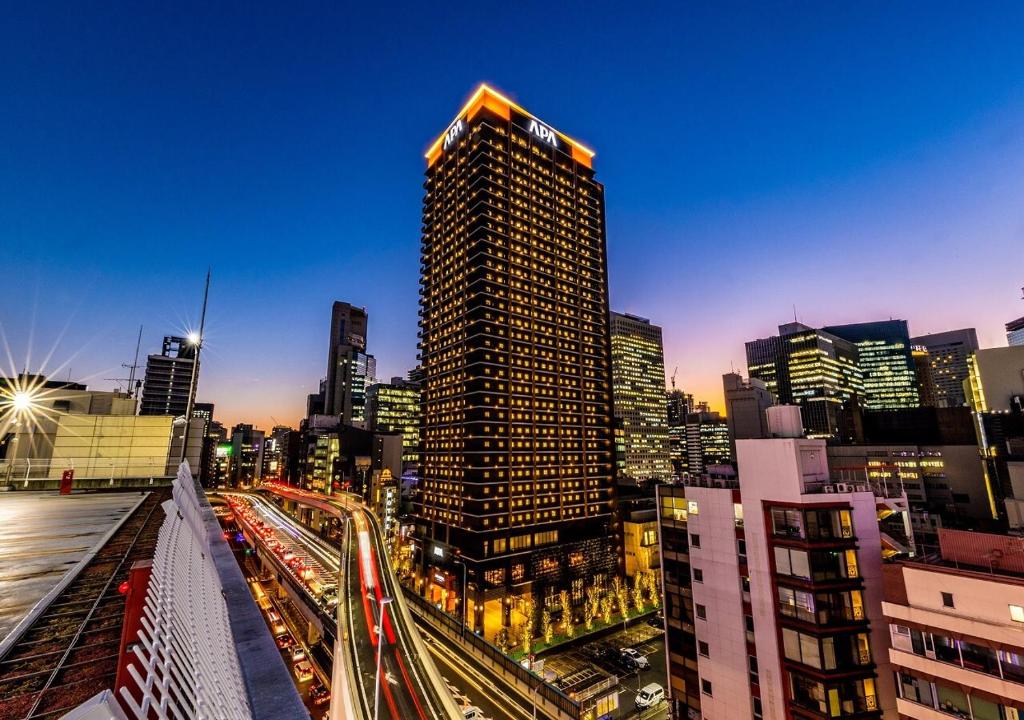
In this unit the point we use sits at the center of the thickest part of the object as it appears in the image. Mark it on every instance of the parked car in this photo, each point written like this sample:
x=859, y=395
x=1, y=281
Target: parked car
x=297, y=653
x=473, y=713
x=303, y=670
x=634, y=659
x=650, y=695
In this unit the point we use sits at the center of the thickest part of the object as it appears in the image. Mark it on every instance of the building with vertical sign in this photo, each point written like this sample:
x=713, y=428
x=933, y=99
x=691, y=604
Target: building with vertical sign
x=517, y=483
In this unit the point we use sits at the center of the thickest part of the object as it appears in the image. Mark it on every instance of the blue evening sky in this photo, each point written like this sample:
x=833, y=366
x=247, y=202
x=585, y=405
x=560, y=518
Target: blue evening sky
x=856, y=160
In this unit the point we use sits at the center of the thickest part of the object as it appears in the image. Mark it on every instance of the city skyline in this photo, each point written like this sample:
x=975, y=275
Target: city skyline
x=922, y=184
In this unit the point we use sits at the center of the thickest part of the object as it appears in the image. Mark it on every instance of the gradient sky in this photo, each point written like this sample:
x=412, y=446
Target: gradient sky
x=858, y=161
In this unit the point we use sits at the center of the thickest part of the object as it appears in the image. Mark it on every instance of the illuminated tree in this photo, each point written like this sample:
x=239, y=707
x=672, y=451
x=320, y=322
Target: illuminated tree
x=621, y=596
x=528, y=611
x=546, y=629
x=638, y=592
x=606, y=608
x=563, y=598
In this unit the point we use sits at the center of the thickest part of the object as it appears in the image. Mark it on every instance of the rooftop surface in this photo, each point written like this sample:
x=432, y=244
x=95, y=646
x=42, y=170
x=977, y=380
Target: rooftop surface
x=42, y=535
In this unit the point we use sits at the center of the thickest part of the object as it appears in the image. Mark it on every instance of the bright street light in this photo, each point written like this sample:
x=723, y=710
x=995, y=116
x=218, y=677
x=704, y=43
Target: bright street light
x=193, y=338
x=22, y=401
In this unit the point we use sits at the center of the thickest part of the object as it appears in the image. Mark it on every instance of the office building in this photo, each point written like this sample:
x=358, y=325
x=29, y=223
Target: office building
x=168, y=382
x=746, y=405
x=944, y=484
x=395, y=407
x=773, y=587
x=679, y=406
x=926, y=386
x=247, y=447
x=638, y=393
x=516, y=464
x=948, y=353
x=956, y=623
x=1015, y=332
x=707, y=442
x=813, y=369
x=885, y=362
x=995, y=394
x=350, y=370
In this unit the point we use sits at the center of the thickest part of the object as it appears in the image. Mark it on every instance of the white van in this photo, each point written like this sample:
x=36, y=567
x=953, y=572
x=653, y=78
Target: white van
x=650, y=695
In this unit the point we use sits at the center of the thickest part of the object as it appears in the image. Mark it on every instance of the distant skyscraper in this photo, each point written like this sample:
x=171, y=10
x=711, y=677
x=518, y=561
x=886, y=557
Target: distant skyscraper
x=638, y=389
x=885, y=361
x=746, y=402
x=679, y=406
x=516, y=459
x=350, y=369
x=811, y=368
x=947, y=355
x=1015, y=332
x=395, y=407
x=168, y=380
x=246, y=454
x=707, y=441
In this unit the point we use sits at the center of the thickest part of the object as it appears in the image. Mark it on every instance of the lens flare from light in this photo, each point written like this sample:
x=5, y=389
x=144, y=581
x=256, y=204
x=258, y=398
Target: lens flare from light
x=22, y=401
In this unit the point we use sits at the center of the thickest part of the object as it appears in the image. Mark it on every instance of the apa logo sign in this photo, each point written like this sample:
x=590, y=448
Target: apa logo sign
x=544, y=133
x=453, y=132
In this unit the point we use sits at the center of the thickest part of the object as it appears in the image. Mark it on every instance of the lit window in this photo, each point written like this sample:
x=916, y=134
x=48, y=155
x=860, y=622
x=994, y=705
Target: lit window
x=1017, y=613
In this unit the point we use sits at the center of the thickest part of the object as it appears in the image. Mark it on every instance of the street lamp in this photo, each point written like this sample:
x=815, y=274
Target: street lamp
x=195, y=339
x=463, y=564
x=385, y=600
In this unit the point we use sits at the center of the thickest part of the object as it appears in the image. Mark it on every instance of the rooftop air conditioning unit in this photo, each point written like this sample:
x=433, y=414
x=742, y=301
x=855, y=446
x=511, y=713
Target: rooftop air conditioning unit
x=844, y=487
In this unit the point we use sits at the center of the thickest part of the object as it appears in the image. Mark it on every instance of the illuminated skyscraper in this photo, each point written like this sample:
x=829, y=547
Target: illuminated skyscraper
x=638, y=389
x=885, y=361
x=811, y=368
x=516, y=440
x=350, y=369
x=395, y=407
x=947, y=357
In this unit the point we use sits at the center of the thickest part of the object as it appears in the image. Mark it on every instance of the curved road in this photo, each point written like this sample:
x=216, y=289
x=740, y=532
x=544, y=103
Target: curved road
x=411, y=687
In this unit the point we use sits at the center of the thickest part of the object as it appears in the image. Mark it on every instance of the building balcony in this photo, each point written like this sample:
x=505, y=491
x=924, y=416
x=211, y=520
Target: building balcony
x=959, y=674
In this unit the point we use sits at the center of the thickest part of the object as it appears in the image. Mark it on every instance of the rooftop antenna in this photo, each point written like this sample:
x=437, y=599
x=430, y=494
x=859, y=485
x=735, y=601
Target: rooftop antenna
x=794, y=313
x=131, y=368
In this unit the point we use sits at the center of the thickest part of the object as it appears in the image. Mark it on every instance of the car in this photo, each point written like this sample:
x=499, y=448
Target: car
x=278, y=629
x=285, y=641
x=634, y=659
x=473, y=713
x=297, y=653
x=303, y=670
x=319, y=694
x=650, y=695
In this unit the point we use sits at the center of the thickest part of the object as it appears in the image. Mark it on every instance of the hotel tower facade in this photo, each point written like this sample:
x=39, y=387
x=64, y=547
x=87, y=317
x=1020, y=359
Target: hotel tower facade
x=516, y=497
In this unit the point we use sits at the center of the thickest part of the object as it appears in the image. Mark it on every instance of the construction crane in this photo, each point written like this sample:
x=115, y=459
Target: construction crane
x=674, y=377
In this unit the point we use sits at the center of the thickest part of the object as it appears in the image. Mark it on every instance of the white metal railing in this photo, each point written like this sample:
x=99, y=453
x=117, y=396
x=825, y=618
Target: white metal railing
x=26, y=470
x=204, y=652
x=185, y=663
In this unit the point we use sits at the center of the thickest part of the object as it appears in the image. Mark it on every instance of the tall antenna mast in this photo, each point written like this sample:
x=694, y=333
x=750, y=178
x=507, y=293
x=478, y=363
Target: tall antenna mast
x=135, y=365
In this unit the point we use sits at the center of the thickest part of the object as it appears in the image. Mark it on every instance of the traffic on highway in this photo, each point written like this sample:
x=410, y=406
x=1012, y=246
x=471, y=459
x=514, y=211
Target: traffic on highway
x=385, y=670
